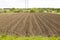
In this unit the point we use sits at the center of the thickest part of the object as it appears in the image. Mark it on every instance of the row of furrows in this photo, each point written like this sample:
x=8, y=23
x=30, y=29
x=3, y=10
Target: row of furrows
x=21, y=25
x=31, y=24
x=5, y=20
x=38, y=28
x=26, y=26
x=37, y=23
x=44, y=27
x=43, y=30
x=56, y=17
x=55, y=26
x=14, y=24
x=19, y=28
x=6, y=27
x=53, y=31
x=34, y=26
x=51, y=24
x=4, y=17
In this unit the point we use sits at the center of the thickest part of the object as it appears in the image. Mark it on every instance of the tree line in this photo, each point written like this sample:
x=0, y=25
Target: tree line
x=30, y=10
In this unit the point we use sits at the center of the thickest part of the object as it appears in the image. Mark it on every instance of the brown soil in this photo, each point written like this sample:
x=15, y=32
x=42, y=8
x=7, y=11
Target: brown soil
x=30, y=24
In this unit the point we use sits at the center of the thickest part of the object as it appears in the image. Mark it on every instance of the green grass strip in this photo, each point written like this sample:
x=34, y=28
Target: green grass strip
x=8, y=37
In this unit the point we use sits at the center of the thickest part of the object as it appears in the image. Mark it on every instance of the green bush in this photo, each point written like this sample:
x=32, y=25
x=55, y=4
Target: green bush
x=33, y=10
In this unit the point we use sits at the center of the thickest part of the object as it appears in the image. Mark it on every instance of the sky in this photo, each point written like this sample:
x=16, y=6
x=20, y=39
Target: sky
x=30, y=4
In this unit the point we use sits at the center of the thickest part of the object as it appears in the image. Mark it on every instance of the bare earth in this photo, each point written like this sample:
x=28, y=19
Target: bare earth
x=30, y=24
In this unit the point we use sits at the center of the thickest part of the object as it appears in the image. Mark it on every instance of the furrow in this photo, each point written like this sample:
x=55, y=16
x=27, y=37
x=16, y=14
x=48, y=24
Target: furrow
x=44, y=22
x=38, y=26
x=20, y=29
x=50, y=25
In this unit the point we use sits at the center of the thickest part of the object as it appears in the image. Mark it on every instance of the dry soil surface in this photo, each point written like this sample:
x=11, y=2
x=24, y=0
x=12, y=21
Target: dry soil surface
x=30, y=24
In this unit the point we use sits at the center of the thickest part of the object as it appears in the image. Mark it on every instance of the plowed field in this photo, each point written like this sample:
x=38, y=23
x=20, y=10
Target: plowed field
x=30, y=24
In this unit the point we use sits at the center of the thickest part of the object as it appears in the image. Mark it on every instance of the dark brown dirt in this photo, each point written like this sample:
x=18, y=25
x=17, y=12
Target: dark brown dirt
x=30, y=24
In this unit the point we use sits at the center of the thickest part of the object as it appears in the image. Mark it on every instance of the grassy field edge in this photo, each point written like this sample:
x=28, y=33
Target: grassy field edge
x=8, y=37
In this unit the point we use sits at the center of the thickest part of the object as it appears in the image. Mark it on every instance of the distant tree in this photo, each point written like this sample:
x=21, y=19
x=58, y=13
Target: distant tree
x=5, y=11
x=11, y=9
x=33, y=10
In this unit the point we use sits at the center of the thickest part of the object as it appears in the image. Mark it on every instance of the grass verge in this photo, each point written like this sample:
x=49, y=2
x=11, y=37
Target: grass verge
x=8, y=37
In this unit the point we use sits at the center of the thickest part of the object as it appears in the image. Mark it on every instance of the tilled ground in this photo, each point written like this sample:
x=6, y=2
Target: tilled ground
x=30, y=24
